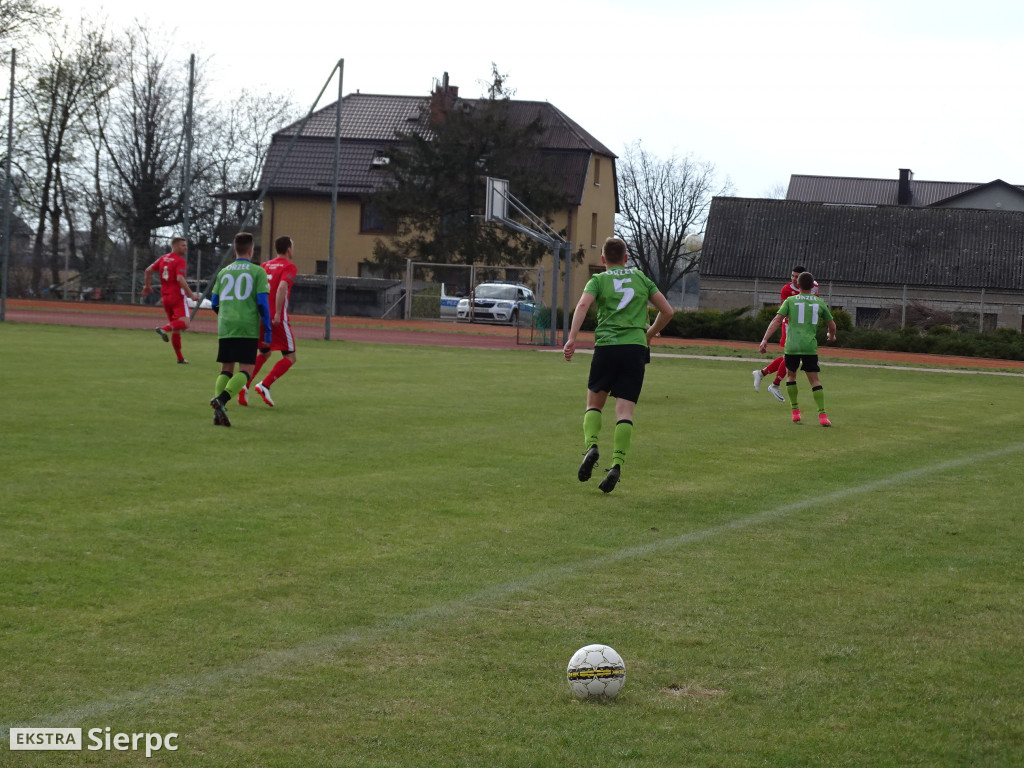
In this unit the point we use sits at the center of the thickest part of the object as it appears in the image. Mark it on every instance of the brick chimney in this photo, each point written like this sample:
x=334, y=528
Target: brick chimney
x=903, y=193
x=442, y=100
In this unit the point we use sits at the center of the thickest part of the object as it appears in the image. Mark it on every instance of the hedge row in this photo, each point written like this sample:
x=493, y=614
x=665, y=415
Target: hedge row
x=743, y=325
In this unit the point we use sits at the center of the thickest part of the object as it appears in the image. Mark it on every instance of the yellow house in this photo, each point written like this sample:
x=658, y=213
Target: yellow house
x=299, y=179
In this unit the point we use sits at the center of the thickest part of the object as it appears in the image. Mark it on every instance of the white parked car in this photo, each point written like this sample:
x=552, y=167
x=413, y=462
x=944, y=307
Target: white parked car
x=498, y=302
x=192, y=305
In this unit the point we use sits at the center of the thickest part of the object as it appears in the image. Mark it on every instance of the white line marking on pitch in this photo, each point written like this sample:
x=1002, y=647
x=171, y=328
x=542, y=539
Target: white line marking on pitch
x=824, y=361
x=272, y=661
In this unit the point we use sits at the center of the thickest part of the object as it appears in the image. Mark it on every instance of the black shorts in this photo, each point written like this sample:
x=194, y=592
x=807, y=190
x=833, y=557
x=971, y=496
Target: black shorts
x=619, y=369
x=809, y=363
x=241, y=351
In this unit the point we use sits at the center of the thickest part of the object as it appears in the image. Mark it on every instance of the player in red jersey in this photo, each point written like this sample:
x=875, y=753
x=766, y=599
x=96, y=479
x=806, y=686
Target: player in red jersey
x=281, y=272
x=778, y=365
x=173, y=289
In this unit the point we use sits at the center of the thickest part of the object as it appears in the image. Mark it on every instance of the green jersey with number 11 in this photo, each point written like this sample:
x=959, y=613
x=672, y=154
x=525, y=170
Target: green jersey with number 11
x=238, y=284
x=804, y=311
x=621, y=295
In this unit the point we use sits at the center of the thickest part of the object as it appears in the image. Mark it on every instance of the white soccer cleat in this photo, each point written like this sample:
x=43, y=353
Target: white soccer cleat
x=776, y=393
x=757, y=380
x=264, y=392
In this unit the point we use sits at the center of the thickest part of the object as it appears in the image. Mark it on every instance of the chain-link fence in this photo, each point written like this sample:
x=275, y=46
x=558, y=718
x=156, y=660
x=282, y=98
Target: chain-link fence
x=510, y=295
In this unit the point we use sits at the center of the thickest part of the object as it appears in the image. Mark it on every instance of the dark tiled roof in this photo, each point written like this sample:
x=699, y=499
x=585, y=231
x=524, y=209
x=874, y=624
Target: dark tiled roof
x=888, y=245
x=373, y=117
x=853, y=191
x=309, y=167
x=364, y=116
x=369, y=123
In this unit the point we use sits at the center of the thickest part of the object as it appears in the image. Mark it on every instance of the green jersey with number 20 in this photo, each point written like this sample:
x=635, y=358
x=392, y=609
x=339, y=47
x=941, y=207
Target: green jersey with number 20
x=621, y=295
x=804, y=311
x=238, y=284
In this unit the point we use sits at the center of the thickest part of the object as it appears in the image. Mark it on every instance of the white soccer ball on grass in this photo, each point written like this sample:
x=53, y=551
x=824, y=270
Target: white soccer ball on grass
x=596, y=672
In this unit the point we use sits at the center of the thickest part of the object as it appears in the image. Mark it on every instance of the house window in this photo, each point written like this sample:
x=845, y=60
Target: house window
x=321, y=266
x=597, y=171
x=369, y=269
x=373, y=219
x=596, y=269
x=593, y=230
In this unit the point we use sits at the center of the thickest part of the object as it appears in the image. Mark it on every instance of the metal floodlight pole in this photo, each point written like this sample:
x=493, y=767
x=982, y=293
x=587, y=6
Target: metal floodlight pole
x=567, y=248
x=554, y=293
x=331, y=288
x=186, y=185
x=7, y=195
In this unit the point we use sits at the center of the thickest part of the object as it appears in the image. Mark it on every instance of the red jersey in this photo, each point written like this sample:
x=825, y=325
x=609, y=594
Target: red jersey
x=168, y=267
x=791, y=289
x=280, y=270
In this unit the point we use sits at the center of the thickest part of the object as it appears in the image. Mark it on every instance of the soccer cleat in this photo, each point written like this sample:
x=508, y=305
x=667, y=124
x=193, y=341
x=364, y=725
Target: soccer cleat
x=587, y=467
x=243, y=396
x=796, y=415
x=823, y=420
x=220, y=416
x=775, y=392
x=163, y=334
x=757, y=380
x=611, y=479
x=183, y=361
x=264, y=392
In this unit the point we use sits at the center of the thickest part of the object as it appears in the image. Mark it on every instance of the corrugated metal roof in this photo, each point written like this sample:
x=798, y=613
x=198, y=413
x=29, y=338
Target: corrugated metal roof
x=889, y=245
x=854, y=191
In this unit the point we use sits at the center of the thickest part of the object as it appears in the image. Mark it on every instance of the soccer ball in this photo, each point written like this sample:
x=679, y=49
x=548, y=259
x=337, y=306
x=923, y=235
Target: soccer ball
x=595, y=672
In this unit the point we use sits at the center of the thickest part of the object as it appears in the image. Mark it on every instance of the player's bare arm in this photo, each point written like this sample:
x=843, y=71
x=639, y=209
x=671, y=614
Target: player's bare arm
x=665, y=313
x=279, y=300
x=578, y=316
x=773, y=326
x=188, y=291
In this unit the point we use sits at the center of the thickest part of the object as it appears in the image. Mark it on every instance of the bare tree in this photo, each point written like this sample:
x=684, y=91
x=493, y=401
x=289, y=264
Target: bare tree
x=229, y=157
x=61, y=94
x=661, y=203
x=21, y=17
x=145, y=143
x=776, y=191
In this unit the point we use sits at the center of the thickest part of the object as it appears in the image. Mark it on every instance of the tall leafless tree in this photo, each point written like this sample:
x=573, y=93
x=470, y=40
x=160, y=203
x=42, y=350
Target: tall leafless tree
x=61, y=95
x=662, y=202
x=145, y=142
x=21, y=17
x=231, y=151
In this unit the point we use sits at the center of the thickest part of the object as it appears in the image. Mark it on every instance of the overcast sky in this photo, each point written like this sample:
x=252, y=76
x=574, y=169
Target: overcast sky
x=762, y=90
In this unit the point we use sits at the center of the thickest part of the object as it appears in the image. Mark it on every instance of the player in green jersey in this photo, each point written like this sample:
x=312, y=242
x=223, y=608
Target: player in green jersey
x=240, y=300
x=621, y=351
x=803, y=312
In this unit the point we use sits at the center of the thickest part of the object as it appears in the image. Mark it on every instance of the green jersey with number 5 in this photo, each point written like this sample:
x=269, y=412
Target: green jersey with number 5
x=804, y=311
x=621, y=295
x=238, y=284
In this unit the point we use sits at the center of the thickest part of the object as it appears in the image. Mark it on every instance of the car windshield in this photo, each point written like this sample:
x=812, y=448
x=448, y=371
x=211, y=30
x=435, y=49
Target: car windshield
x=506, y=292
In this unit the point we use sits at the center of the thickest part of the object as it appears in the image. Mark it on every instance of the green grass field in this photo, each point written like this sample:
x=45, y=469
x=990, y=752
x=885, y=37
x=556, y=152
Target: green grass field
x=393, y=566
